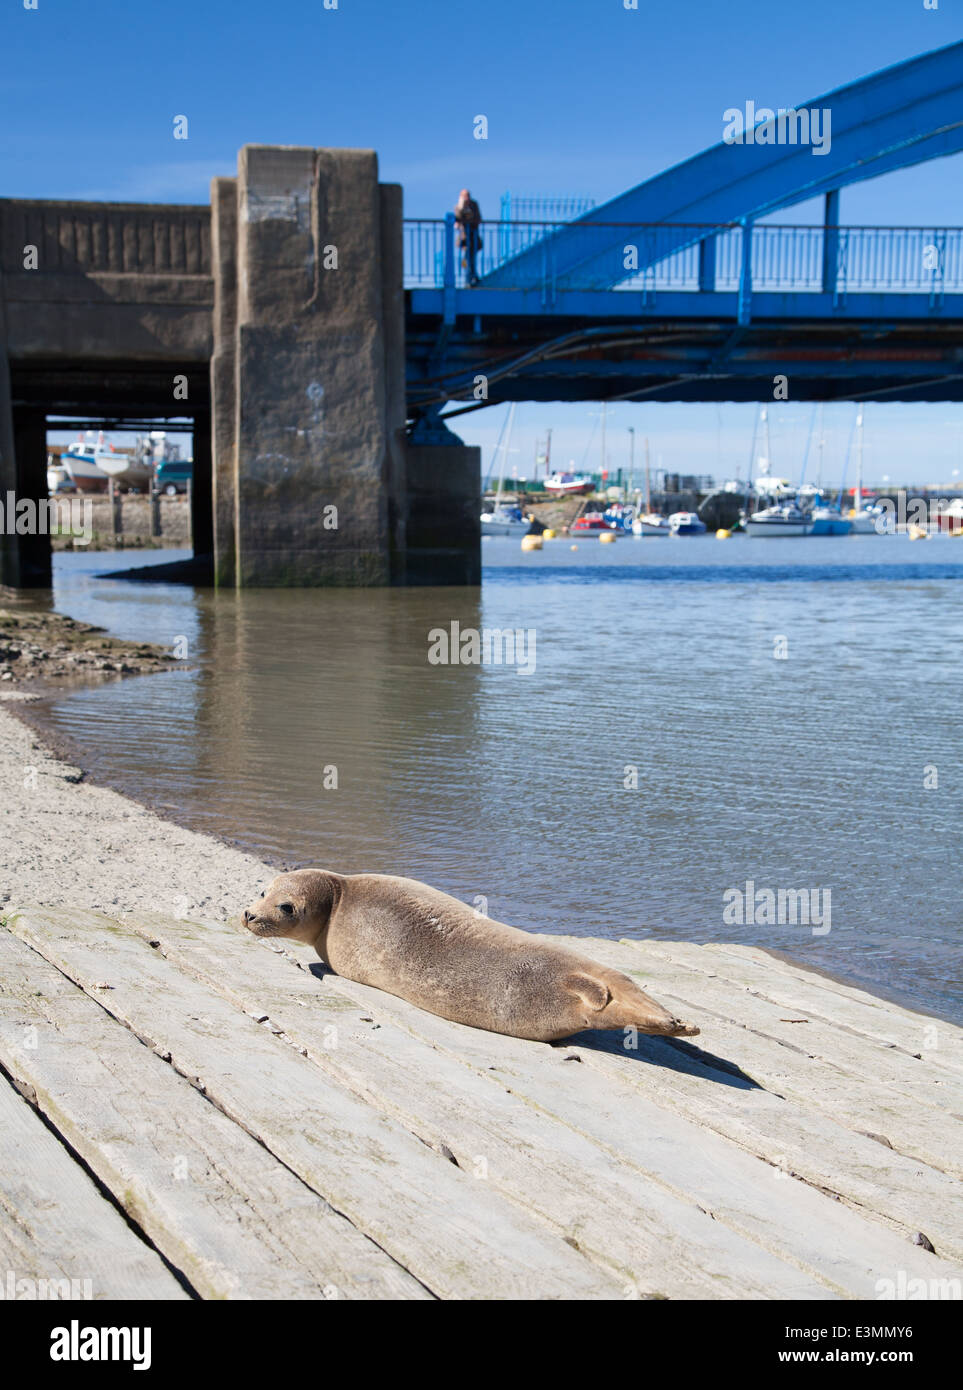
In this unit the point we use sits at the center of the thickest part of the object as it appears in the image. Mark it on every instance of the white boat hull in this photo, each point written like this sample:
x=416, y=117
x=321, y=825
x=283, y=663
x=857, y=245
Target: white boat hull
x=497, y=527
x=85, y=475
x=778, y=527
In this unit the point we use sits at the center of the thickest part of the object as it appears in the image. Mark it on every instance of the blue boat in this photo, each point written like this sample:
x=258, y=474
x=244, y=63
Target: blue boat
x=829, y=521
x=686, y=524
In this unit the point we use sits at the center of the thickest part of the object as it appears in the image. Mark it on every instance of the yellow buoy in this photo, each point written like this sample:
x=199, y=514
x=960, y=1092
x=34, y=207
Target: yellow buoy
x=531, y=542
x=917, y=533
x=607, y=537
x=549, y=534
x=723, y=534
x=573, y=547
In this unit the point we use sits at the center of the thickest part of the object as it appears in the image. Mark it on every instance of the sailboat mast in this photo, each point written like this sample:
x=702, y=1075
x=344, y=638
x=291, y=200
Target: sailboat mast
x=501, y=471
x=858, y=498
x=648, y=502
x=604, y=410
x=765, y=416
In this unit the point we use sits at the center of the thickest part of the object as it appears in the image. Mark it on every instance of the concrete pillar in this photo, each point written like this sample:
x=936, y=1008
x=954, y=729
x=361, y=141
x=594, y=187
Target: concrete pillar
x=393, y=308
x=223, y=367
x=316, y=474
x=444, y=509
x=9, y=550
x=34, y=562
x=202, y=492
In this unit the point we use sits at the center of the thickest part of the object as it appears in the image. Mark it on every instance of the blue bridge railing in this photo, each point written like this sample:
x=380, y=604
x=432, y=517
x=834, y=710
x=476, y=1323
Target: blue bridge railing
x=678, y=256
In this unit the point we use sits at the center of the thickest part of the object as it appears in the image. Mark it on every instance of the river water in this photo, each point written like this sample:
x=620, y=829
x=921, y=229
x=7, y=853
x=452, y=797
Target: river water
x=700, y=715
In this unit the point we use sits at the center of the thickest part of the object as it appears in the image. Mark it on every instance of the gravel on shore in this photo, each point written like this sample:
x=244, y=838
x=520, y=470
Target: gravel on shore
x=64, y=843
x=38, y=647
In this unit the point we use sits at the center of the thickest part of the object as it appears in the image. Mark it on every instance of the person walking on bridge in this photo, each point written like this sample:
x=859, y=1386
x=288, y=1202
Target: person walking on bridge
x=468, y=217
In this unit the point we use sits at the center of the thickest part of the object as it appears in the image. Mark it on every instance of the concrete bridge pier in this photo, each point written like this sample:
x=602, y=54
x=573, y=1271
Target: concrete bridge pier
x=308, y=377
x=314, y=481
x=25, y=561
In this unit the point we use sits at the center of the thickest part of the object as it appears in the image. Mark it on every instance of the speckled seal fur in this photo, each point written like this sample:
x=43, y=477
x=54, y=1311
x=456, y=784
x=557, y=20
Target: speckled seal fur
x=413, y=941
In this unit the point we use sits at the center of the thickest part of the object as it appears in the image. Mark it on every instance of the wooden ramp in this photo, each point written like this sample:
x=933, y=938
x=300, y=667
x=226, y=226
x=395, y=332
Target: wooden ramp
x=187, y=1111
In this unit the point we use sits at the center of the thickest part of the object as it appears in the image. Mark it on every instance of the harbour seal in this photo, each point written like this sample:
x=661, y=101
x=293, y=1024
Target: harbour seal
x=418, y=943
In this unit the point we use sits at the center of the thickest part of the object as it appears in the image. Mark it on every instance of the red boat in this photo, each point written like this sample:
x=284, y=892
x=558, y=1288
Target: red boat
x=568, y=484
x=951, y=518
x=592, y=523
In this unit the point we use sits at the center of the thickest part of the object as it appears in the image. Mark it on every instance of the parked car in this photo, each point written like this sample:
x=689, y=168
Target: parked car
x=173, y=475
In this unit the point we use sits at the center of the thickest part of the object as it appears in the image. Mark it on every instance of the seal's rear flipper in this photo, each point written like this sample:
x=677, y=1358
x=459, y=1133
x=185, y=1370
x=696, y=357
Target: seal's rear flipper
x=595, y=993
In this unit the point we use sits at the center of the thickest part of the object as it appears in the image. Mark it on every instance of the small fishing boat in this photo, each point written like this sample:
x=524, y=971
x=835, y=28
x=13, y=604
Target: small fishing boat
x=950, y=519
x=686, y=524
x=869, y=521
x=828, y=520
x=127, y=470
x=651, y=524
x=593, y=524
x=504, y=521
x=82, y=464
x=784, y=519
x=58, y=479
x=620, y=515
x=568, y=484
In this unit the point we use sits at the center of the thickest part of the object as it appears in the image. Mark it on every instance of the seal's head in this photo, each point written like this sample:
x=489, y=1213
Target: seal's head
x=298, y=905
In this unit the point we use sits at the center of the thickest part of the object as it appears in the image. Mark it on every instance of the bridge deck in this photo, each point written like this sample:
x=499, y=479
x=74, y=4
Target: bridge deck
x=276, y=1131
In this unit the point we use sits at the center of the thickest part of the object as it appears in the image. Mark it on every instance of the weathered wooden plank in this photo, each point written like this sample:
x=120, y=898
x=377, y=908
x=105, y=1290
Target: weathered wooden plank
x=831, y=1244
x=222, y=1210
x=656, y=1239
x=840, y=1006
x=456, y=1236
x=861, y=1084
x=801, y=1223
x=56, y=1226
x=788, y=1134
x=858, y=1081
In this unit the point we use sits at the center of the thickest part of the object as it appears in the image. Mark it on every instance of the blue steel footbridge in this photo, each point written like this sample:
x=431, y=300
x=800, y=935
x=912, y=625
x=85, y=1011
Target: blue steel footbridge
x=679, y=289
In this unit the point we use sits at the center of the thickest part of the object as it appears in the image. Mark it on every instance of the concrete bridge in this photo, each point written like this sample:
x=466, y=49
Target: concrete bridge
x=314, y=338
x=274, y=320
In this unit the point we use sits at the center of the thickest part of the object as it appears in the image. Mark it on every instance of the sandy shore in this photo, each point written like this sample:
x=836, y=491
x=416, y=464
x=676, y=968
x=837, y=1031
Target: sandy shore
x=63, y=842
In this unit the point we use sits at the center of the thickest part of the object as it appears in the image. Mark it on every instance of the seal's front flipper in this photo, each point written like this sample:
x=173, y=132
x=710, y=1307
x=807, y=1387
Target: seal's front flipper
x=595, y=993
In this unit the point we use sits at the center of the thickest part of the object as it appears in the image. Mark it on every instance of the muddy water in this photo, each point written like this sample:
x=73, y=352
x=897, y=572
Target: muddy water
x=658, y=757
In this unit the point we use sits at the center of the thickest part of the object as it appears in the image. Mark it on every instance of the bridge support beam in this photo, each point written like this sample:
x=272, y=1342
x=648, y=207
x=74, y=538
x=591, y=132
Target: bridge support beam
x=223, y=400
x=25, y=561
x=443, y=532
x=9, y=550
x=831, y=243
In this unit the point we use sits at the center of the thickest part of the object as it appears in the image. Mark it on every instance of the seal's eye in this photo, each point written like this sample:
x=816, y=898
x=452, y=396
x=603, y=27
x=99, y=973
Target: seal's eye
x=287, y=909
x=262, y=895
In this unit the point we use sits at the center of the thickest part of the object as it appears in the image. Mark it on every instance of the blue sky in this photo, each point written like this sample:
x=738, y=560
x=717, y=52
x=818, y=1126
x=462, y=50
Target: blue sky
x=583, y=97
